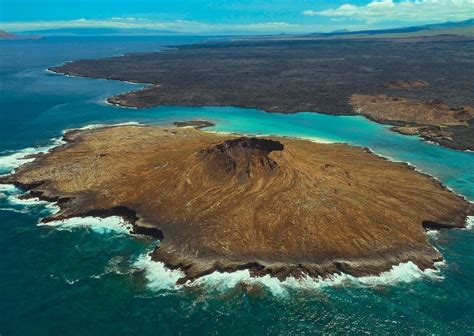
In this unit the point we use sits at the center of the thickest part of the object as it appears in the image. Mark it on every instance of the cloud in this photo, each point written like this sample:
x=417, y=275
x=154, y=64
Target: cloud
x=403, y=11
x=182, y=26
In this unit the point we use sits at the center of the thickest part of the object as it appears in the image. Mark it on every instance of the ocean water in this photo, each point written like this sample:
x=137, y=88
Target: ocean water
x=89, y=276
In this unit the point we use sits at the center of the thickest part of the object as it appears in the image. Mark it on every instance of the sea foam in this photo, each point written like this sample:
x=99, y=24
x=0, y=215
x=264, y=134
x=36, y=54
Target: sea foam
x=160, y=278
x=15, y=199
x=8, y=188
x=97, y=126
x=470, y=223
x=433, y=234
x=112, y=224
x=11, y=161
x=402, y=273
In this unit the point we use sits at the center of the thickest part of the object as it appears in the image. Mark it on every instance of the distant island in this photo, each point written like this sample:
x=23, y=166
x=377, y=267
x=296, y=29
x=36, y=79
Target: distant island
x=10, y=36
x=421, y=85
x=101, y=32
x=276, y=206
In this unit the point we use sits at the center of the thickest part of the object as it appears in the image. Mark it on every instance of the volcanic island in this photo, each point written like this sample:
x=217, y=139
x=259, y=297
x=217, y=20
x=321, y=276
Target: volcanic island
x=278, y=206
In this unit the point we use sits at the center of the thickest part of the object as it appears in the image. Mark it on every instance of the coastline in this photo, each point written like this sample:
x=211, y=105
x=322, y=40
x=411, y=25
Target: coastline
x=161, y=278
x=192, y=87
x=53, y=70
x=107, y=100
x=389, y=125
x=117, y=101
x=394, y=127
x=140, y=227
x=156, y=272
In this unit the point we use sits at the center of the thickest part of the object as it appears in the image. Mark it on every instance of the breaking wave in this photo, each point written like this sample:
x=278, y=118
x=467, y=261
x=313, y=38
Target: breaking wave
x=161, y=278
x=470, y=223
x=158, y=276
x=12, y=200
x=97, y=126
x=113, y=224
x=14, y=159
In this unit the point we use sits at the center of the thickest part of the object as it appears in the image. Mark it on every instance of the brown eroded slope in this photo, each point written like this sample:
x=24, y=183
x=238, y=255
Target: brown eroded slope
x=383, y=108
x=278, y=206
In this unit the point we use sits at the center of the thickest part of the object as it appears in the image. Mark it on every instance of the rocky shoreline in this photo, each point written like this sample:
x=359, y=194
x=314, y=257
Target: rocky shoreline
x=194, y=269
x=222, y=165
x=432, y=120
x=259, y=74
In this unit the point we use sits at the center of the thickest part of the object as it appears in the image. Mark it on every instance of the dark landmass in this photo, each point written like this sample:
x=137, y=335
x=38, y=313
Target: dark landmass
x=447, y=31
x=290, y=76
x=276, y=206
x=459, y=28
x=10, y=36
x=408, y=84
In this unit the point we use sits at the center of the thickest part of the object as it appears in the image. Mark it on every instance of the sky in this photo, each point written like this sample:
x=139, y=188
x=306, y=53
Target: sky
x=227, y=17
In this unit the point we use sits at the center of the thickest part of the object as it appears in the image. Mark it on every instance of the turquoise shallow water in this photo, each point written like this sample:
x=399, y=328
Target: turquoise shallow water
x=90, y=279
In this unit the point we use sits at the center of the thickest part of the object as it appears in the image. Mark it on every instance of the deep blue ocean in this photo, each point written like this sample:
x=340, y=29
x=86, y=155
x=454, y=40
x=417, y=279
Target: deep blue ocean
x=90, y=277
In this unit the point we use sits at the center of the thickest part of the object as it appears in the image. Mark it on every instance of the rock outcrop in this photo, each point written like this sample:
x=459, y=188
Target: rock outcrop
x=433, y=120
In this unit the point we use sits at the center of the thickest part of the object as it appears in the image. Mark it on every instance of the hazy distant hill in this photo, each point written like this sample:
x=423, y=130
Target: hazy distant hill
x=462, y=28
x=450, y=24
x=9, y=36
x=100, y=31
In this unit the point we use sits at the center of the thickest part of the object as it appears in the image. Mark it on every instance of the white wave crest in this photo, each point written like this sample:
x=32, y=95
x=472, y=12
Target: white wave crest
x=433, y=234
x=11, y=161
x=405, y=272
x=14, y=210
x=112, y=224
x=159, y=277
x=8, y=188
x=470, y=223
x=97, y=126
x=16, y=203
x=402, y=273
x=16, y=200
